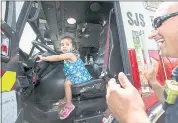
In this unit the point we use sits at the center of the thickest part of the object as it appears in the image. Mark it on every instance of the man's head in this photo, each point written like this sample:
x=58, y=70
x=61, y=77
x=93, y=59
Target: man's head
x=166, y=34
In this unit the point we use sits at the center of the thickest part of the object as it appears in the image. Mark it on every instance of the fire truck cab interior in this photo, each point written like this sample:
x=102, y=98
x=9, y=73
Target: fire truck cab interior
x=86, y=21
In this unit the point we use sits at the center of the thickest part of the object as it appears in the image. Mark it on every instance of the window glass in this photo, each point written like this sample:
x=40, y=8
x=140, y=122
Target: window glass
x=27, y=37
x=3, y=9
x=19, y=6
x=28, y=34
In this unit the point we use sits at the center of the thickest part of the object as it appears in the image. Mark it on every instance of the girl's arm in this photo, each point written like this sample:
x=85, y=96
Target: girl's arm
x=67, y=56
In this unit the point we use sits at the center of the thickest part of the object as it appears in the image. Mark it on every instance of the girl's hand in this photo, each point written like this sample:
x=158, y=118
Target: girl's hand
x=41, y=58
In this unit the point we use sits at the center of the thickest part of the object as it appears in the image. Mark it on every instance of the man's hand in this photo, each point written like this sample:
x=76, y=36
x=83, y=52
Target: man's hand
x=125, y=103
x=151, y=72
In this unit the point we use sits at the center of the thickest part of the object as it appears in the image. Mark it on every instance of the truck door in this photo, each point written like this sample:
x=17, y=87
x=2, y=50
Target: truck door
x=10, y=28
x=135, y=23
x=8, y=71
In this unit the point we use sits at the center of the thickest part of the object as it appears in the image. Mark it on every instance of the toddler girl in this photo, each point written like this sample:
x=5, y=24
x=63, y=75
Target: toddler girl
x=74, y=70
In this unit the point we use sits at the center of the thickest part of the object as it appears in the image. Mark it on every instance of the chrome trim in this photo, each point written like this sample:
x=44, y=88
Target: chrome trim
x=155, y=113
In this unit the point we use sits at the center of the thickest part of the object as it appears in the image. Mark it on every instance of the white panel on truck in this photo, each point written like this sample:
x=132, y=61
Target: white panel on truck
x=137, y=18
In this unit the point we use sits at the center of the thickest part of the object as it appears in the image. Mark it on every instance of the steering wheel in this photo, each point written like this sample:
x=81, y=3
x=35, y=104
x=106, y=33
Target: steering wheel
x=38, y=45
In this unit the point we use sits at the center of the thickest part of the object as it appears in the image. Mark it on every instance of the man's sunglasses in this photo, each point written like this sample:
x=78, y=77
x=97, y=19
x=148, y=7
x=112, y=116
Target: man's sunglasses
x=157, y=22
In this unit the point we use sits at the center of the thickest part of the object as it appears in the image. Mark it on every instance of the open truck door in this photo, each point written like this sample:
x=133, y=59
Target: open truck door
x=8, y=76
x=9, y=39
x=11, y=110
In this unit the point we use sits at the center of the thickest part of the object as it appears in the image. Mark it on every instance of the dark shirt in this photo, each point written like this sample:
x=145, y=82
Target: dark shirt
x=174, y=74
x=171, y=111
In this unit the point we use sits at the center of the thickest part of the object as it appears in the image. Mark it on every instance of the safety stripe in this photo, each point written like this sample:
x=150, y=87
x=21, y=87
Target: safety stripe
x=8, y=81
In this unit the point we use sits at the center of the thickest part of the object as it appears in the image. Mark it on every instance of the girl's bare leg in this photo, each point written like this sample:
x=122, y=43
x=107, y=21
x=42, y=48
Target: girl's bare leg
x=68, y=92
x=69, y=107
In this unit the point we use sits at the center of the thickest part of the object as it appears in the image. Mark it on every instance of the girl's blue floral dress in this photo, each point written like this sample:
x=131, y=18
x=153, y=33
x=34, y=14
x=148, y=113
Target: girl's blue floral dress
x=76, y=72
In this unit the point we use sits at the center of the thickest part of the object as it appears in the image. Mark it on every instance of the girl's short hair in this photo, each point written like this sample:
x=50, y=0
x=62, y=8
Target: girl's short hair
x=74, y=44
x=70, y=37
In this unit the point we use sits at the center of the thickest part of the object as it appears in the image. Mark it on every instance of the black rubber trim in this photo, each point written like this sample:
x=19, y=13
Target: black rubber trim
x=122, y=39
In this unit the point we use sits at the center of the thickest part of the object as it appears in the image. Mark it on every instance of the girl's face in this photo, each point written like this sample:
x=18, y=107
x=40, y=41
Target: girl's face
x=66, y=45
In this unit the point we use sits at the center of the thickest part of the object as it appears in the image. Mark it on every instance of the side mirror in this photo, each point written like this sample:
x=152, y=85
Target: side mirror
x=7, y=37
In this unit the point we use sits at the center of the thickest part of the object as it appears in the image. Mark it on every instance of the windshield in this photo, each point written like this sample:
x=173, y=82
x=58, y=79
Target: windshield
x=27, y=37
x=29, y=34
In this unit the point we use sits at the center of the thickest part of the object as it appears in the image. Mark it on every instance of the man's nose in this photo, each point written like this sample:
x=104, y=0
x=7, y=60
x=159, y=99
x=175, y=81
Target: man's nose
x=153, y=34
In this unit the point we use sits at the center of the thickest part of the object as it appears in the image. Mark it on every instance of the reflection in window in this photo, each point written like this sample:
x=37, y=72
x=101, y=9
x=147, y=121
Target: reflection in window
x=28, y=36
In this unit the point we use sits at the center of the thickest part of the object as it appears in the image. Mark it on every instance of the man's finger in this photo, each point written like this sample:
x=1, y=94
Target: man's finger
x=125, y=83
x=112, y=82
x=112, y=85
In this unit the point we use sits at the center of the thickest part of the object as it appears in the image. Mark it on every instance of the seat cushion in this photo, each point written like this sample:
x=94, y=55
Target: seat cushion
x=93, y=85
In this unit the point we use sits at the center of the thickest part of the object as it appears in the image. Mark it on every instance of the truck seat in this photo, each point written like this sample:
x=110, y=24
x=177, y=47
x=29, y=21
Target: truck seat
x=97, y=87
